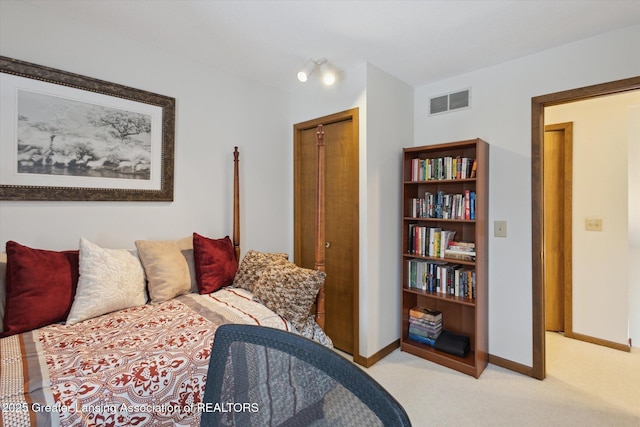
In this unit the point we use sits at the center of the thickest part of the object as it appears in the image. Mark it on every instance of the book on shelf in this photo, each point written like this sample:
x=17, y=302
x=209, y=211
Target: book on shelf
x=459, y=245
x=427, y=333
x=441, y=278
x=474, y=169
x=472, y=205
x=423, y=340
x=428, y=241
x=425, y=313
x=438, y=243
x=426, y=325
x=422, y=274
x=465, y=251
x=446, y=236
x=434, y=241
x=443, y=205
x=459, y=255
x=442, y=168
x=467, y=204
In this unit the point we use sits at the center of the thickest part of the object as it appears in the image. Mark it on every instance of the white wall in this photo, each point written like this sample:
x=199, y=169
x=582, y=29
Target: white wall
x=389, y=129
x=501, y=115
x=214, y=112
x=601, y=260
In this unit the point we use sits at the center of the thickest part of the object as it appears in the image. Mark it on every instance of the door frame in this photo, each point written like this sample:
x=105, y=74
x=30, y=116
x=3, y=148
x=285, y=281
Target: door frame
x=538, y=105
x=353, y=116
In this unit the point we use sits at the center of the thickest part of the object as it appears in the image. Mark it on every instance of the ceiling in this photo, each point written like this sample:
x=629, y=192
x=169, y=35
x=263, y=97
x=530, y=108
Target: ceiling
x=419, y=42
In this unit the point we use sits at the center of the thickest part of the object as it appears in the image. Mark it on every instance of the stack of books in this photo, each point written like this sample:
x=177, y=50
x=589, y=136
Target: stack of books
x=425, y=325
x=461, y=250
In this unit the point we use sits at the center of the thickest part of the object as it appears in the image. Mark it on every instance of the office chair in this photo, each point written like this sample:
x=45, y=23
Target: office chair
x=261, y=377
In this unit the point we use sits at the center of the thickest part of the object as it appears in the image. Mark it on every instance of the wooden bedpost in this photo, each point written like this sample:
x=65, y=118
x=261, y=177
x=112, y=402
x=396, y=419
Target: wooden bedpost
x=320, y=239
x=236, y=204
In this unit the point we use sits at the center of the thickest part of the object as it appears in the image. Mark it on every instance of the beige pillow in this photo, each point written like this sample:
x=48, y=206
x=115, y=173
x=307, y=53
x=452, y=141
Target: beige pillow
x=252, y=266
x=289, y=290
x=110, y=280
x=169, y=266
x=3, y=286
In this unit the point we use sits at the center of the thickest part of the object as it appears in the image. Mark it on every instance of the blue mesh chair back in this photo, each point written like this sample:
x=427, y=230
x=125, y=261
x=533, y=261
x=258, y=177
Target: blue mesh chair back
x=265, y=377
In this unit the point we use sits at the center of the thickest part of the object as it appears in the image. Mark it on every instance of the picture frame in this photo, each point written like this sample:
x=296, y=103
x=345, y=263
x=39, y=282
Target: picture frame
x=67, y=137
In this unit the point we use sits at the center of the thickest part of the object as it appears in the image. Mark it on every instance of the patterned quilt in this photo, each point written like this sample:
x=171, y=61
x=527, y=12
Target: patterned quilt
x=143, y=366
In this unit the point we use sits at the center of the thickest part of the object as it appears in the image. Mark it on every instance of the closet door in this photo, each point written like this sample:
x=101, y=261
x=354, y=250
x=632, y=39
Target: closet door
x=341, y=218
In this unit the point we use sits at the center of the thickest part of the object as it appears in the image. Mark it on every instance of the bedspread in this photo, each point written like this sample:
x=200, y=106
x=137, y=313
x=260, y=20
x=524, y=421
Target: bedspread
x=141, y=366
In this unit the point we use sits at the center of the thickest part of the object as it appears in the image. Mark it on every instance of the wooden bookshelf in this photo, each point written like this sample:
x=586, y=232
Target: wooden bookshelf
x=464, y=310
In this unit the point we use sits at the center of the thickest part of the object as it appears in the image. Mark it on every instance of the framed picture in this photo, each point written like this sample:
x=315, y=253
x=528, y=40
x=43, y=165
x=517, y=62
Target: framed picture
x=68, y=137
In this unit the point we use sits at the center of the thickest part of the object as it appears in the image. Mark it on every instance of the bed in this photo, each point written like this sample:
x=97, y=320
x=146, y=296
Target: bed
x=123, y=337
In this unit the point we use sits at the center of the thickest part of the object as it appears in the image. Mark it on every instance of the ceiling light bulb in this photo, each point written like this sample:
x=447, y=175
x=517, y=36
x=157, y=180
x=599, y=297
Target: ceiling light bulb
x=328, y=76
x=306, y=71
x=302, y=76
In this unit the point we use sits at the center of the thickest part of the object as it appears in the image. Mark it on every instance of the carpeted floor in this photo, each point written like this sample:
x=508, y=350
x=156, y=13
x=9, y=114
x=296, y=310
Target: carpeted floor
x=586, y=385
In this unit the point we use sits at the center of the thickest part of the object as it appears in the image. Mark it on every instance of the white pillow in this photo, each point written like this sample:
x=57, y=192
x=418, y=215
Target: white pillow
x=110, y=280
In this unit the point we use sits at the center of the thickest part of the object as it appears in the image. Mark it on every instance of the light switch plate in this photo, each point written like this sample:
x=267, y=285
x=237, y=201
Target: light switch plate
x=593, y=224
x=500, y=228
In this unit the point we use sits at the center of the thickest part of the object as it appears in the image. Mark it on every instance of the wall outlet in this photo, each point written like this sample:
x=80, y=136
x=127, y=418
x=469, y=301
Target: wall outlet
x=593, y=224
x=500, y=228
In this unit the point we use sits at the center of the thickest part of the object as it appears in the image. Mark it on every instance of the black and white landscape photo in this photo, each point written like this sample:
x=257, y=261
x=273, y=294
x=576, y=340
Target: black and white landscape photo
x=60, y=136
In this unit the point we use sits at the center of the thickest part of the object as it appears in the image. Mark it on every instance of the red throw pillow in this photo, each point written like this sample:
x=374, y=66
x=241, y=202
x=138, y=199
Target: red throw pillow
x=40, y=284
x=215, y=262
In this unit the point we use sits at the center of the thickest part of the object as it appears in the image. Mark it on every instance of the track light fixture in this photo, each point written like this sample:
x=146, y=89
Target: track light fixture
x=327, y=73
x=306, y=71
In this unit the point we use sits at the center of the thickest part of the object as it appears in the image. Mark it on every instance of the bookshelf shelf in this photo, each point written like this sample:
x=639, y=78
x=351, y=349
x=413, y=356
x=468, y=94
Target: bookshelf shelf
x=455, y=200
x=449, y=260
x=462, y=364
x=443, y=297
x=425, y=219
x=440, y=181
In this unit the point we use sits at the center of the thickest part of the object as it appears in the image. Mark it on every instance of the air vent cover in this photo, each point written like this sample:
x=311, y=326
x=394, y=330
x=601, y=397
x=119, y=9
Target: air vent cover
x=450, y=102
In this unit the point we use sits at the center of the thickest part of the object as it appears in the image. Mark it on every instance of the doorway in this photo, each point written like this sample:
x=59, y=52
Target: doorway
x=341, y=218
x=537, y=200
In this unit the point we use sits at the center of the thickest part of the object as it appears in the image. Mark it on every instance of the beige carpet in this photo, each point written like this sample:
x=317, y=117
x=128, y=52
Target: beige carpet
x=586, y=385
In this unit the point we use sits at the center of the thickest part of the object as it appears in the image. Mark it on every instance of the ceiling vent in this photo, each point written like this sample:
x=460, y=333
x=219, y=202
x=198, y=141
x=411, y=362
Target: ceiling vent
x=450, y=102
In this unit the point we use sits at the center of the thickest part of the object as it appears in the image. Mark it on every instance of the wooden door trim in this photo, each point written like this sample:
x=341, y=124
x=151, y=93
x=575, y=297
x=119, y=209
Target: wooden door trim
x=538, y=105
x=341, y=116
x=353, y=116
x=567, y=218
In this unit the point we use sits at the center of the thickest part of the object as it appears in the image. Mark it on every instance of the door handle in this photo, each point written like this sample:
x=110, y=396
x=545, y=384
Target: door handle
x=327, y=244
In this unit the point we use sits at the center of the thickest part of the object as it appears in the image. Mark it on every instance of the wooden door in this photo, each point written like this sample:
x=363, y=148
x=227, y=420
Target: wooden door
x=557, y=225
x=341, y=218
